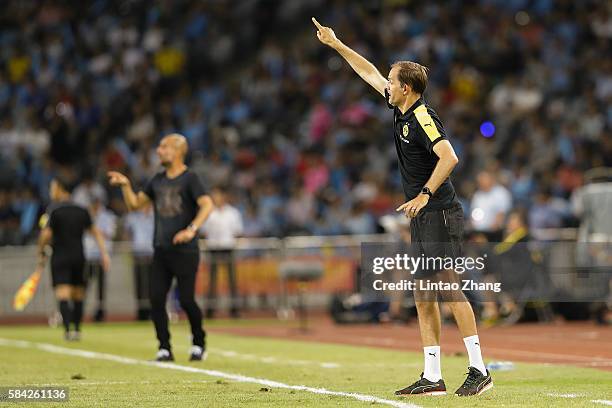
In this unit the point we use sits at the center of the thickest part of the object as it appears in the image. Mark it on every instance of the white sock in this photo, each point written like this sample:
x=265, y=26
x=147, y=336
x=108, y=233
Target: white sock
x=432, y=363
x=472, y=344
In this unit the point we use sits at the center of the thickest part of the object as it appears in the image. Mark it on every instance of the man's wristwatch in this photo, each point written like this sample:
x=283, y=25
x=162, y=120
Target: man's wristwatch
x=427, y=191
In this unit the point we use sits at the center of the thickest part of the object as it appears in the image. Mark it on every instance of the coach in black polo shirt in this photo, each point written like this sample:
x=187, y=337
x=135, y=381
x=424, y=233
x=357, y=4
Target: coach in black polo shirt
x=426, y=161
x=181, y=206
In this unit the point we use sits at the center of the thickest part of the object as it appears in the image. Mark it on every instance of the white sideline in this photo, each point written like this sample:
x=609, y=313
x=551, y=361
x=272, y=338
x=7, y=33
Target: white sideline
x=564, y=395
x=213, y=373
x=275, y=360
x=603, y=402
x=269, y=359
x=88, y=383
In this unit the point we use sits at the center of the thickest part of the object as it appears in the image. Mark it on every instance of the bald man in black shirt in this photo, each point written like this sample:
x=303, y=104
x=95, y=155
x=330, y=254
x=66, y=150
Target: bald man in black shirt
x=181, y=207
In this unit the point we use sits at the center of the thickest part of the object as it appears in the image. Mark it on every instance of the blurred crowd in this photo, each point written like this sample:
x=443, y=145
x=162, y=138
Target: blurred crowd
x=523, y=87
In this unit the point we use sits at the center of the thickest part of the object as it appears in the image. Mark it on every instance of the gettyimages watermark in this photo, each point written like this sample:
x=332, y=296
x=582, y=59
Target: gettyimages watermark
x=413, y=264
x=523, y=271
x=424, y=264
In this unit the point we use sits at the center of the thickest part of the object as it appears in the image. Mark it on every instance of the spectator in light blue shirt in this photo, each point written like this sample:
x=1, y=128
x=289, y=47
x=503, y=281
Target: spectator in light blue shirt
x=106, y=222
x=139, y=227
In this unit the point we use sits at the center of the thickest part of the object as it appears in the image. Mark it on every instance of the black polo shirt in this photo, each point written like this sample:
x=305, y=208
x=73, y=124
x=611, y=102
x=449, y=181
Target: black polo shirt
x=416, y=132
x=176, y=205
x=68, y=222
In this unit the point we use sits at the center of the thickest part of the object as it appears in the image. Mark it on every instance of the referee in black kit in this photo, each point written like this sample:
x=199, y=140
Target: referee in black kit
x=181, y=206
x=65, y=225
x=426, y=160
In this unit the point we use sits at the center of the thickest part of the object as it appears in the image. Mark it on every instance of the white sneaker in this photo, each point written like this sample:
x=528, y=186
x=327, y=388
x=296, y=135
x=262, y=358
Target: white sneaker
x=164, y=355
x=197, y=353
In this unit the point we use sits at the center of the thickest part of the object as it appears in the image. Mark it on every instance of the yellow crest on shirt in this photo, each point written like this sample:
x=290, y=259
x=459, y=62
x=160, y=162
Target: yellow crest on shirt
x=405, y=130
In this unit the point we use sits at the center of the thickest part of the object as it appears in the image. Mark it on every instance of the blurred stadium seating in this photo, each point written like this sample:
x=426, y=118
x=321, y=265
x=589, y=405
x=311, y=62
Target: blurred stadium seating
x=93, y=87
x=304, y=145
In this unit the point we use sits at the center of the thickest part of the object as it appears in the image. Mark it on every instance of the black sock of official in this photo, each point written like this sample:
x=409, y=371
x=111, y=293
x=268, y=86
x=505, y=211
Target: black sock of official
x=66, y=313
x=77, y=314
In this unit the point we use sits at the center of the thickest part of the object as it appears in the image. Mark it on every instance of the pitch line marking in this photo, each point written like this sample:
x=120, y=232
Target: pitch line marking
x=277, y=360
x=270, y=359
x=603, y=402
x=212, y=373
x=86, y=383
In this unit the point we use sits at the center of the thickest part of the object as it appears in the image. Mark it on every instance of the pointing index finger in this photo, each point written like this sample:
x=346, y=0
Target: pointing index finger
x=319, y=26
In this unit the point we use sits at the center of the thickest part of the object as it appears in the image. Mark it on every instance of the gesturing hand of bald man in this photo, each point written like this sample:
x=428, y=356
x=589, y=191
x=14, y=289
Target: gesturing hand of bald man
x=133, y=201
x=184, y=236
x=117, y=179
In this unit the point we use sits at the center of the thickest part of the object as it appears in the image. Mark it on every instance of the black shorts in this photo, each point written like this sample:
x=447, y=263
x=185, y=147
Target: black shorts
x=68, y=271
x=437, y=233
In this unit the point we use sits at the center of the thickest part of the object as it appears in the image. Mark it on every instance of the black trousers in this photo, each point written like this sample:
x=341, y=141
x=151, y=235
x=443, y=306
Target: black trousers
x=169, y=263
x=222, y=257
x=143, y=266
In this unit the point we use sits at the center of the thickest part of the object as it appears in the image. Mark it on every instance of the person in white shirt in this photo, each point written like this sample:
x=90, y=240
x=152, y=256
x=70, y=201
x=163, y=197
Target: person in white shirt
x=89, y=191
x=106, y=222
x=222, y=228
x=490, y=204
x=139, y=227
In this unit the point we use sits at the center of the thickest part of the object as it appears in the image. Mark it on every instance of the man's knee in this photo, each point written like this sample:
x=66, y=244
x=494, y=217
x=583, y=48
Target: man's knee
x=158, y=299
x=187, y=302
x=426, y=306
x=453, y=297
x=63, y=292
x=78, y=293
x=425, y=296
x=454, y=305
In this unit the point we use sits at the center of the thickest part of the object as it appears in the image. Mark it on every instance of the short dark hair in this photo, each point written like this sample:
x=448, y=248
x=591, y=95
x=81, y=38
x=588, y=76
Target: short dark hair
x=412, y=74
x=65, y=184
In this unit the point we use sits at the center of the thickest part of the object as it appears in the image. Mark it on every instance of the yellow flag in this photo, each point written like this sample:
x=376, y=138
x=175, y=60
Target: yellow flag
x=27, y=290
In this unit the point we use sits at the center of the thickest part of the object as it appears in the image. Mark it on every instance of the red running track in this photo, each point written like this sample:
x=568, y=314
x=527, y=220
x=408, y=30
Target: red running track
x=580, y=344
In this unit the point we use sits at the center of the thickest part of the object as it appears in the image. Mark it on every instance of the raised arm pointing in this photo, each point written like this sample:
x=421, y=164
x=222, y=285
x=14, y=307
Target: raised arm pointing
x=360, y=65
x=133, y=201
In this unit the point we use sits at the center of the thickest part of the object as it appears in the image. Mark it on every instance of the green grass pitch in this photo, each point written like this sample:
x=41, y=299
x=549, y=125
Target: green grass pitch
x=368, y=371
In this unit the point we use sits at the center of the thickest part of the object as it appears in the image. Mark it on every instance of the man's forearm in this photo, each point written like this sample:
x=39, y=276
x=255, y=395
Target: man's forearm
x=43, y=240
x=99, y=241
x=204, y=211
x=441, y=172
x=130, y=197
x=41, y=248
x=364, y=68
